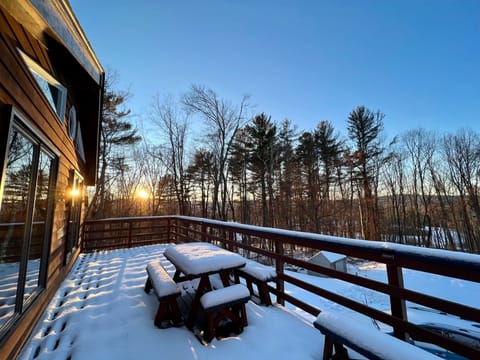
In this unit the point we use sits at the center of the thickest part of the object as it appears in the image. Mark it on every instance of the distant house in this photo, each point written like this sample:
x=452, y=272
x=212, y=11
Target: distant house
x=51, y=87
x=329, y=260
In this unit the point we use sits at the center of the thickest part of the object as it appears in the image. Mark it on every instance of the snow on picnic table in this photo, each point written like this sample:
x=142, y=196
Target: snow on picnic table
x=199, y=258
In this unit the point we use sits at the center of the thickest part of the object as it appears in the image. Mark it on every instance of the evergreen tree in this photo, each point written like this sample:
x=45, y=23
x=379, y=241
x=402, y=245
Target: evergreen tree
x=201, y=174
x=238, y=169
x=329, y=147
x=287, y=175
x=263, y=156
x=307, y=155
x=116, y=132
x=364, y=129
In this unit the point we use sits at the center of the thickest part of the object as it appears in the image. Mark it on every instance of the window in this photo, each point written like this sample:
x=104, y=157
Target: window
x=72, y=123
x=79, y=142
x=75, y=132
x=55, y=92
x=75, y=196
x=26, y=210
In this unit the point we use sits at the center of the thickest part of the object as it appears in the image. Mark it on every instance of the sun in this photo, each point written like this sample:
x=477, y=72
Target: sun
x=142, y=194
x=74, y=193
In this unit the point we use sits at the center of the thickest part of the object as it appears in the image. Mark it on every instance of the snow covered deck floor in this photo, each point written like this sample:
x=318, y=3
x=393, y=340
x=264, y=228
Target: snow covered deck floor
x=102, y=312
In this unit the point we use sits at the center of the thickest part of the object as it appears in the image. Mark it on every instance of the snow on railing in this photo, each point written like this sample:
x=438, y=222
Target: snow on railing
x=285, y=248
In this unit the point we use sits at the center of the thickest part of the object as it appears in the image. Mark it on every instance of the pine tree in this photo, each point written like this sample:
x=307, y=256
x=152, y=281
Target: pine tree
x=116, y=132
x=364, y=129
x=262, y=147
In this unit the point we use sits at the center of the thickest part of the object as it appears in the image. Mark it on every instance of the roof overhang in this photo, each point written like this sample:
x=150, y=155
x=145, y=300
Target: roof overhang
x=56, y=19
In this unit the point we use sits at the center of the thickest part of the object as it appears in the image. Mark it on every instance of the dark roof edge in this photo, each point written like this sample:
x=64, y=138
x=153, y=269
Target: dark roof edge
x=63, y=22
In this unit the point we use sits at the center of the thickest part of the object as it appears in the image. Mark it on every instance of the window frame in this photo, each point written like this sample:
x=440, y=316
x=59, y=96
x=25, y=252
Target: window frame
x=60, y=107
x=74, y=217
x=16, y=122
x=72, y=123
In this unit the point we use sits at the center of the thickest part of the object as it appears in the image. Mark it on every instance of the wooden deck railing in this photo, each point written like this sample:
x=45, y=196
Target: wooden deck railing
x=282, y=248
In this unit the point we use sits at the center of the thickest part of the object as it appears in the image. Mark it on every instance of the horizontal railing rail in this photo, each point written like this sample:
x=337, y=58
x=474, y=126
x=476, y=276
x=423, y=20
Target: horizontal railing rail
x=282, y=248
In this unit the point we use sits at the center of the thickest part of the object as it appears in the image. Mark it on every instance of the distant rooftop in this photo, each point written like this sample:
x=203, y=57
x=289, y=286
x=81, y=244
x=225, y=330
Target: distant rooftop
x=332, y=257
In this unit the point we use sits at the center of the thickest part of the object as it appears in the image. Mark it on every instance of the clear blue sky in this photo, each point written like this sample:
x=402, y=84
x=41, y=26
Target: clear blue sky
x=417, y=61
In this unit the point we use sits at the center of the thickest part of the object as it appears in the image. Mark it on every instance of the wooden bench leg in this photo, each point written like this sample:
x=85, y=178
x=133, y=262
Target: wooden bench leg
x=225, y=278
x=327, y=348
x=262, y=287
x=213, y=321
x=175, y=314
x=236, y=277
x=203, y=286
x=237, y=314
x=168, y=311
x=210, y=333
x=249, y=286
x=243, y=315
x=264, y=293
x=162, y=315
x=148, y=285
x=340, y=351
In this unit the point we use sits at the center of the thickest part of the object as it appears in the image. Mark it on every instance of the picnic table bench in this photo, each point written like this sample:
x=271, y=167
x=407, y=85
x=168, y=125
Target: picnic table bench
x=225, y=303
x=167, y=292
x=255, y=273
x=203, y=261
x=340, y=329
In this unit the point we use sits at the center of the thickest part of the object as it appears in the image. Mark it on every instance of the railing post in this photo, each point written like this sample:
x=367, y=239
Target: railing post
x=82, y=232
x=279, y=266
x=175, y=230
x=397, y=305
x=231, y=238
x=185, y=230
x=204, y=232
x=130, y=233
x=169, y=231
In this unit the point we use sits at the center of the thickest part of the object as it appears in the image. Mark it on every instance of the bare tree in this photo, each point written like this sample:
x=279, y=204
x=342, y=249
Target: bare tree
x=154, y=175
x=463, y=159
x=174, y=127
x=222, y=120
x=395, y=179
x=420, y=148
x=447, y=217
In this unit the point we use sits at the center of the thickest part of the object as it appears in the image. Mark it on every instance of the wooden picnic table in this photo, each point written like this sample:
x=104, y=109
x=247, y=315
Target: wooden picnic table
x=200, y=260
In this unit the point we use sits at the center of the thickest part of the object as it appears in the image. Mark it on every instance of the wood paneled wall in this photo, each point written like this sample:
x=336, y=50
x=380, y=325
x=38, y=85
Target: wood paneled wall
x=18, y=89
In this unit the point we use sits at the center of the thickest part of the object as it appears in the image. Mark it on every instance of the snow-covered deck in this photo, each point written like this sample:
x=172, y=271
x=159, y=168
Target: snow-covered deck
x=102, y=312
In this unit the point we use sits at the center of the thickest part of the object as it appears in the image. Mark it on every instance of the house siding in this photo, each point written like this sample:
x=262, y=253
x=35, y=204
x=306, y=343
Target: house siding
x=20, y=94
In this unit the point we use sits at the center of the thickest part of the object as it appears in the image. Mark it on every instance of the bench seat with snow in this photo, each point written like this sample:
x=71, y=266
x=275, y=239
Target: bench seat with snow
x=258, y=274
x=222, y=304
x=167, y=291
x=341, y=329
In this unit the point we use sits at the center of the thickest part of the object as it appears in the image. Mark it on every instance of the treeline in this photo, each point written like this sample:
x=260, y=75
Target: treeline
x=419, y=188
